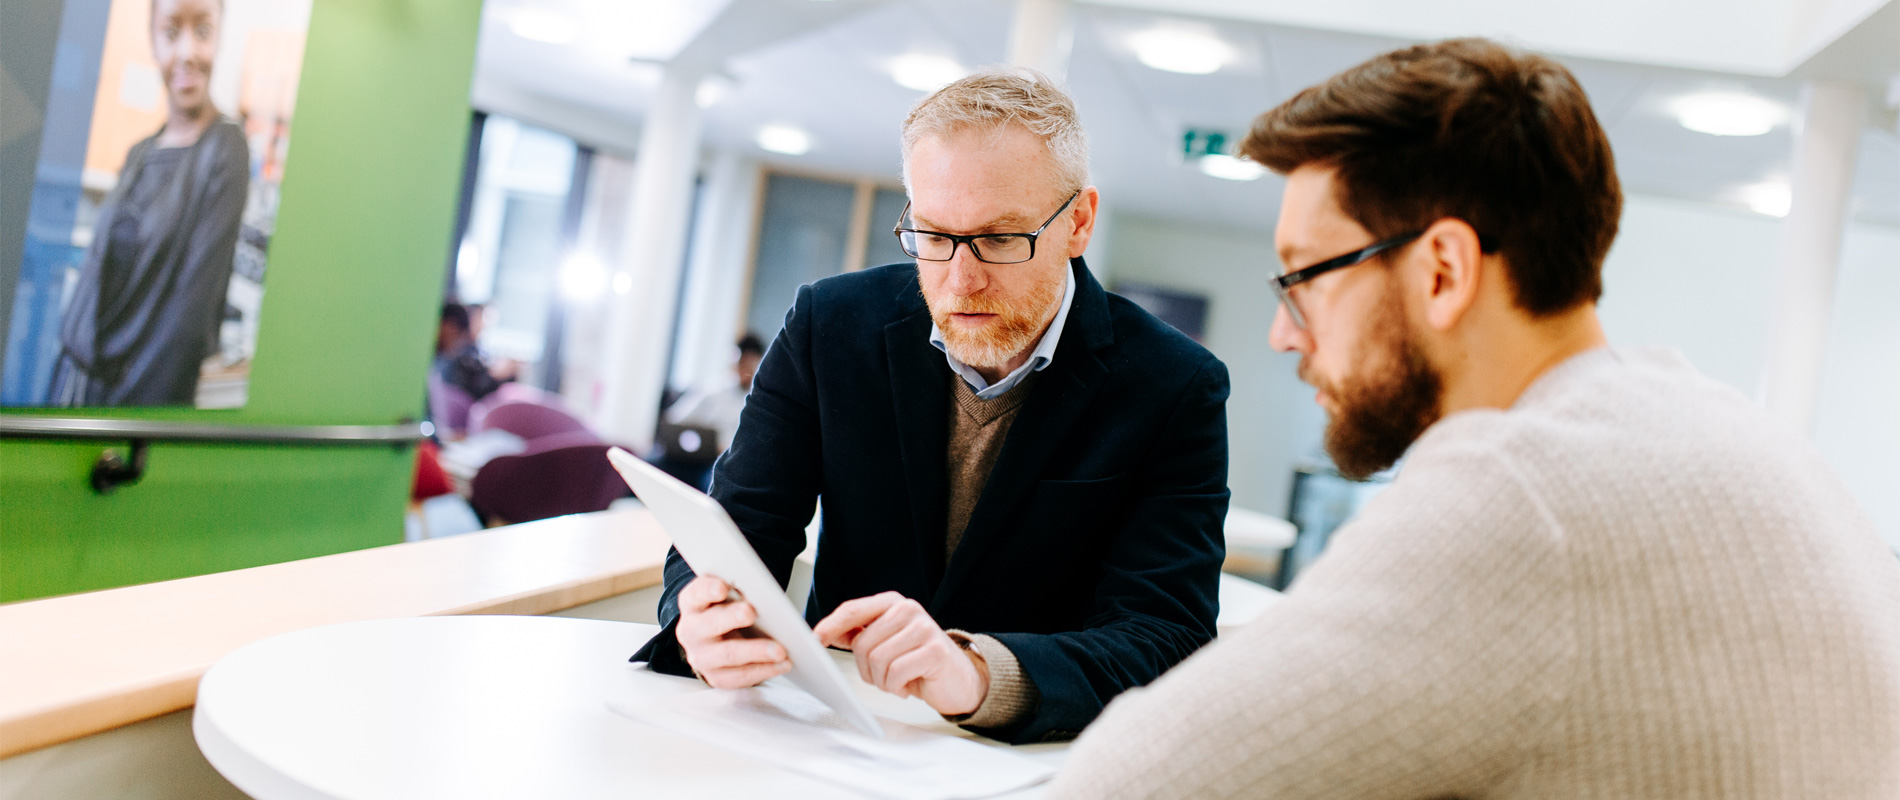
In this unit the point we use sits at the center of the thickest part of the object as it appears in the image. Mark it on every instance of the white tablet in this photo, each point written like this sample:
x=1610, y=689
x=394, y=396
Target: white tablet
x=713, y=545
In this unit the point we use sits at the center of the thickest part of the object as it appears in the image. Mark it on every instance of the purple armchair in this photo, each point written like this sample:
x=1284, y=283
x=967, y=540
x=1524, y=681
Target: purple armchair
x=448, y=407
x=562, y=473
x=531, y=421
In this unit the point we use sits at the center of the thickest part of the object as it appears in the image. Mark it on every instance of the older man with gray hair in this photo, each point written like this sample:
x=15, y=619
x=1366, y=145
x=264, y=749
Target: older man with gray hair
x=1023, y=477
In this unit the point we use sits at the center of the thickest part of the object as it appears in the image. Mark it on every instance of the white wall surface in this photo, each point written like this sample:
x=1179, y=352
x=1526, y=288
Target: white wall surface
x=1858, y=417
x=1696, y=278
x=1271, y=418
x=1700, y=278
x=1691, y=276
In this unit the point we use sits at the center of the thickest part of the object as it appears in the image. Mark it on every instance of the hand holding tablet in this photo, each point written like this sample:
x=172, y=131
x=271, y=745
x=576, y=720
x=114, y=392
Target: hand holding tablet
x=713, y=545
x=715, y=631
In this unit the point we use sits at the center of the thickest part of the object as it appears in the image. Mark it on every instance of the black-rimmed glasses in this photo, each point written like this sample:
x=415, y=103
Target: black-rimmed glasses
x=989, y=248
x=1283, y=284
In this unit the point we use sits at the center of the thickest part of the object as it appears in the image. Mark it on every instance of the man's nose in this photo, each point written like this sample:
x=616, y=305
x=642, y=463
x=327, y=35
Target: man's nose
x=967, y=276
x=1284, y=336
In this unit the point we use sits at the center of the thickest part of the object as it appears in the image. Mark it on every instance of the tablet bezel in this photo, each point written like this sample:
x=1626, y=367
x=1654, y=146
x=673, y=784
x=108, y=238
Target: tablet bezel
x=706, y=537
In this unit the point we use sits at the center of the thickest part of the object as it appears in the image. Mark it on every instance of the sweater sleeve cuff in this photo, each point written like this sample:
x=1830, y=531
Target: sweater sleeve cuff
x=1012, y=696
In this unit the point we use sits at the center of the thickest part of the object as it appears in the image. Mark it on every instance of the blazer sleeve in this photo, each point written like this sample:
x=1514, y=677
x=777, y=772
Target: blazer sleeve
x=1159, y=592
x=768, y=481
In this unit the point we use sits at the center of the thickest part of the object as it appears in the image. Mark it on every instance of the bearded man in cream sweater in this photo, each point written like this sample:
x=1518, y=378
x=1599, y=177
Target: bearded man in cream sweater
x=1599, y=574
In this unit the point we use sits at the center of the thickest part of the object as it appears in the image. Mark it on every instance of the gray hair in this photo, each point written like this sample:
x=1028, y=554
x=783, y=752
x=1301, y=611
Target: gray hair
x=995, y=97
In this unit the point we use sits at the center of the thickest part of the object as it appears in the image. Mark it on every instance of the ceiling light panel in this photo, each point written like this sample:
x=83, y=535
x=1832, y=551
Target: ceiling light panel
x=924, y=72
x=1773, y=198
x=1185, y=49
x=1226, y=167
x=790, y=140
x=1728, y=113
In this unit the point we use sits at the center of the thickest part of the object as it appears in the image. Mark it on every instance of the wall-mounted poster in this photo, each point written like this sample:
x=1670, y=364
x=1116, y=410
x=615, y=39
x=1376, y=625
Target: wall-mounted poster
x=162, y=147
x=1187, y=312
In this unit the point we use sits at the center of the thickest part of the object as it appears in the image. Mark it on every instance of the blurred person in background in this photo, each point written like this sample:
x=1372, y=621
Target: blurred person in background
x=459, y=376
x=700, y=424
x=151, y=290
x=1599, y=574
x=718, y=406
x=503, y=368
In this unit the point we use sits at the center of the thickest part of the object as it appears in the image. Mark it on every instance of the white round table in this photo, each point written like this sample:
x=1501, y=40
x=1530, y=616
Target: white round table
x=476, y=707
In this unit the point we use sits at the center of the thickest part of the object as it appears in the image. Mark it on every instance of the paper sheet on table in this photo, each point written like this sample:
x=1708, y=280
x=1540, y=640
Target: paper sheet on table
x=788, y=728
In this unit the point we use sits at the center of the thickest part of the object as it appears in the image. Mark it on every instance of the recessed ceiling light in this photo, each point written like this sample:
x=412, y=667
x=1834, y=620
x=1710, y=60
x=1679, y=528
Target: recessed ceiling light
x=1728, y=113
x=712, y=89
x=542, y=25
x=1230, y=168
x=1183, y=50
x=788, y=139
x=924, y=72
x=1772, y=199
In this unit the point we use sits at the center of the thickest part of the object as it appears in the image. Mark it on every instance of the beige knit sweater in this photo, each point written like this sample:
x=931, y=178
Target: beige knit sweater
x=1631, y=584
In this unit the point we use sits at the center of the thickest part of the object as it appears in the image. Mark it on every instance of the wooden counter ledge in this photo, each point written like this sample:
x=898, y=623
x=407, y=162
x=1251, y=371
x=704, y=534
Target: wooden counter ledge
x=77, y=665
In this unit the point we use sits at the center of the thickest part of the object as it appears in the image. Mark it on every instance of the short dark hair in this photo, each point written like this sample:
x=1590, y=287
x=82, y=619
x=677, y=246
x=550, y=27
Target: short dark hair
x=751, y=344
x=455, y=314
x=1464, y=128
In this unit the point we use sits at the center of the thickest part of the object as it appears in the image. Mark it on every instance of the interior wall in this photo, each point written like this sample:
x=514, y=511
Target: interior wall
x=1700, y=278
x=348, y=325
x=1272, y=421
x=1691, y=276
x=1858, y=416
x=1697, y=278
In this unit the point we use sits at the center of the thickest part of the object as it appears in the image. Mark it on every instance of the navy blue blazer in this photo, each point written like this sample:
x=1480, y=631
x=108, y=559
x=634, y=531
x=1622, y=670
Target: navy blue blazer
x=1094, y=551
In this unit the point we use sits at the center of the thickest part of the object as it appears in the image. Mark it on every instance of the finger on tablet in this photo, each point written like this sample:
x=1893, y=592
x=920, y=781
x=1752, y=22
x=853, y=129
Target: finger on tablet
x=839, y=628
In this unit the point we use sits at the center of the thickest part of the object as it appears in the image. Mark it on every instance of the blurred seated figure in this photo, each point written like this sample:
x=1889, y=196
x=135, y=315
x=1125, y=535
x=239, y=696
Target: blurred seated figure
x=459, y=377
x=700, y=425
x=503, y=369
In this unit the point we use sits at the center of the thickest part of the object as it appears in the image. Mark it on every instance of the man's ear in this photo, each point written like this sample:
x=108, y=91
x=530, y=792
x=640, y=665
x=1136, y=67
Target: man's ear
x=1455, y=264
x=1083, y=213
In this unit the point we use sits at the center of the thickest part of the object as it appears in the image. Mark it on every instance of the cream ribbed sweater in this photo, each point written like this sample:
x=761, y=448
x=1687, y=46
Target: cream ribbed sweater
x=1631, y=584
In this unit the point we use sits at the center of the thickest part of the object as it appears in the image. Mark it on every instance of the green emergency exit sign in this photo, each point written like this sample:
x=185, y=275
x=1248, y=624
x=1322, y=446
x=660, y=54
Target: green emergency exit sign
x=1197, y=142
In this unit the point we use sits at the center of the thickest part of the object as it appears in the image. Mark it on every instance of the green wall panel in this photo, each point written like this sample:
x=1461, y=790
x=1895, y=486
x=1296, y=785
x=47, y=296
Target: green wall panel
x=347, y=329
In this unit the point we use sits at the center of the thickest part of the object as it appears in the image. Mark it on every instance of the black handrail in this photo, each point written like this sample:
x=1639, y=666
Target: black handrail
x=20, y=426
x=114, y=469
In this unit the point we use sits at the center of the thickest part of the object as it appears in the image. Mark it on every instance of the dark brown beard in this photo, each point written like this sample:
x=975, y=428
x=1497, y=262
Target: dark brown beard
x=1383, y=413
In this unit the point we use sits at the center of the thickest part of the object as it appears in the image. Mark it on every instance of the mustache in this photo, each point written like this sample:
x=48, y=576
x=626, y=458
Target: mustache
x=975, y=304
x=1306, y=376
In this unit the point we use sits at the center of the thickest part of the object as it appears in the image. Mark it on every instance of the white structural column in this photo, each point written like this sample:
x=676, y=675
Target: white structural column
x=716, y=271
x=641, y=319
x=1827, y=140
x=1041, y=37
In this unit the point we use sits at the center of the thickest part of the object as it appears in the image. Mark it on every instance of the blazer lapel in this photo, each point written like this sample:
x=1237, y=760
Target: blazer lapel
x=920, y=392
x=1067, y=387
